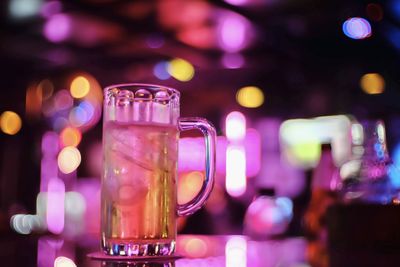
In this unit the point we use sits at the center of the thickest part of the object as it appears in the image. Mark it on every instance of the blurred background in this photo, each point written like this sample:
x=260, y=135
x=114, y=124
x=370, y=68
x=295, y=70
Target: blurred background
x=277, y=78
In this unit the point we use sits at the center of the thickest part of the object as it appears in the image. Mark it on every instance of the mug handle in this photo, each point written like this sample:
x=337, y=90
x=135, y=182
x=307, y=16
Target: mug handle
x=209, y=133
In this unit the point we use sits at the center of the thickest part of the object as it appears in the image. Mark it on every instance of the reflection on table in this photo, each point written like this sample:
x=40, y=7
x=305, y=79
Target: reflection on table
x=192, y=250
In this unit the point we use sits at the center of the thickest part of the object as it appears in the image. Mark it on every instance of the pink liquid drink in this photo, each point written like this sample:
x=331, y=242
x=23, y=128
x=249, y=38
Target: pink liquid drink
x=139, y=189
x=140, y=151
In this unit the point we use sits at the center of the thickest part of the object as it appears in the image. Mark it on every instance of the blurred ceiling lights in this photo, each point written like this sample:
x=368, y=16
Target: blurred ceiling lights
x=202, y=25
x=181, y=69
x=372, y=83
x=10, y=122
x=357, y=28
x=70, y=137
x=69, y=159
x=250, y=97
x=79, y=87
x=20, y=9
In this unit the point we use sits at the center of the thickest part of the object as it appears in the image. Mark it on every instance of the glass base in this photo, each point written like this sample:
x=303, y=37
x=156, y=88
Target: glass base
x=144, y=248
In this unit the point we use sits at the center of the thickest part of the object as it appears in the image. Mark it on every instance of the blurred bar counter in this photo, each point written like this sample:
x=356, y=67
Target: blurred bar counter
x=192, y=250
x=364, y=235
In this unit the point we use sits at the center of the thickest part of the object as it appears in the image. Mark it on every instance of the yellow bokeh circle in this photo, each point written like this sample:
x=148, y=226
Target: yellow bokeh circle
x=10, y=122
x=372, y=83
x=250, y=97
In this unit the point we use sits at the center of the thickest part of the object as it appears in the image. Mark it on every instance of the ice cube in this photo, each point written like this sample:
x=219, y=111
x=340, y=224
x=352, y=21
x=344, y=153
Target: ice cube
x=131, y=143
x=132, y=181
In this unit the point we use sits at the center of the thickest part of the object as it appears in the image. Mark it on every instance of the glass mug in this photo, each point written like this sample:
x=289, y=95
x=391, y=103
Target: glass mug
x=141, y=126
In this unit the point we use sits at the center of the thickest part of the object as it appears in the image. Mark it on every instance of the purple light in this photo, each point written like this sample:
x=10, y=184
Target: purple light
x=48, y=164
x=50, y=144
x=55, y=206
x=161, y=70
x=89, y=188
x=357, y=28
x=60, y=123
x=252, y=145
x=232, y=61
x=63, y=100
x=50, y=8
x=48, y=169
x=268, y=216
x=88, y=108
x=78, y=116
x=57, y=28
x=236, y=2
x=192, y=152
x=155, y=41
x=233, y=31
x=47, y=251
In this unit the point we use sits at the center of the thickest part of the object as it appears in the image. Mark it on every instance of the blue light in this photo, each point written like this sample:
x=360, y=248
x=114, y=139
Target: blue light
x=394, y=170
x=161, y=70
x=78, y=116
x=88, y=108
x=286, y=205
x=24, y=8
x=395, y=8
x=357, y=28
x=393, y=34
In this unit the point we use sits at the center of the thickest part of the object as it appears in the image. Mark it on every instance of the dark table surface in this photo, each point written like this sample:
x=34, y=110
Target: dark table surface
x=192, y=250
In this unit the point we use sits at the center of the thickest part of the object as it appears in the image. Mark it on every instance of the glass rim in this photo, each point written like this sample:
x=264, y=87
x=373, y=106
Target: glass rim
x=147, y=86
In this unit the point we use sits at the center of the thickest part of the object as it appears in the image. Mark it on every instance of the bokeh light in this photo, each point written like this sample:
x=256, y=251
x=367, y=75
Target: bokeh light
x=236, y=2
x=70, y=137
x=58, y=28
x=195, y=247
x=394, y=7
x=50, y=144
x=372, y=83
x=305, y=153
x=69, y=159
x=394, y=169
x=89, y=109
x=80, y=87
x=63, y=100
x=59, y=123
x=233, y=32
x=50, y=8
x=25, y=223
x=357, y=28
x=160, y=70
x=75, y=204
x=236, y=252
x=78, y=116
x=235, y=126
x=45, y=89
x=252, y=146
x=235, y=181
x=10, y=122
x=250, y=97
x=189, y=185
x=64, y=262
x=33, y=102
x=20, y=9
x=217, y=201
x=267, y=216
x=232, y=60
x=55, y=205
x=181, y=69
